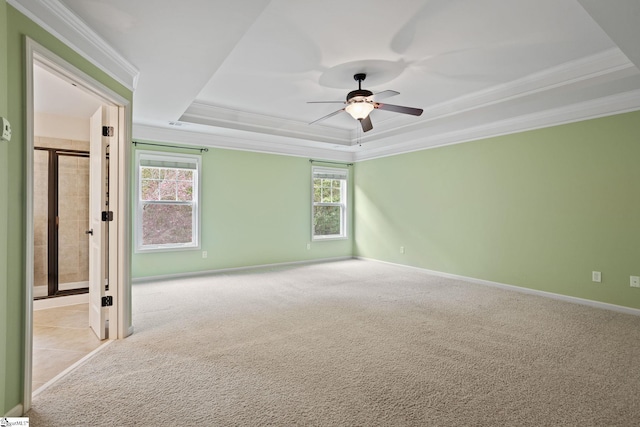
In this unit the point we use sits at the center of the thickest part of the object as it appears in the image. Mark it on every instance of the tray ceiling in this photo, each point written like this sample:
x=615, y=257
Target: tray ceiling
x=239, y=74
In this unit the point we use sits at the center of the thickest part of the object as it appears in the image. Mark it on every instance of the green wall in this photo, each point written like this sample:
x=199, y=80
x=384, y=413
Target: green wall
x=539, y=209
x=4, y=184
x=13, y=187
x=256, y=210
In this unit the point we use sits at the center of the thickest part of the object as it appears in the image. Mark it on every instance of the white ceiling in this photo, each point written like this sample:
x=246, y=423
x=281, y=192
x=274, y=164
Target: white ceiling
x=58, y=96
x=239, y=74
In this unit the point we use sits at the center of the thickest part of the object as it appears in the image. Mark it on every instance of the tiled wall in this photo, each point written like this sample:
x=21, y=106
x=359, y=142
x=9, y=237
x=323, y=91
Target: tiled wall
x=40, y=215
x=73, y=208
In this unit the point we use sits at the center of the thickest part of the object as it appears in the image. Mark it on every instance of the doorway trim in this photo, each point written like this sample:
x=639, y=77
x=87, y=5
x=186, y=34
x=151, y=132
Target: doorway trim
x=120, y=247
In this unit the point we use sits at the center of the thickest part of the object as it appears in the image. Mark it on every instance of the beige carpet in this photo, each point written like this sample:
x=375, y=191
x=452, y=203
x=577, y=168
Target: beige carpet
x=353, y=343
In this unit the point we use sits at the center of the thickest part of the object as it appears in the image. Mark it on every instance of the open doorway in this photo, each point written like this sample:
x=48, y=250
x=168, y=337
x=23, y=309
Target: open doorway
x=61, y=168
x=61, y=186
x=77, y=216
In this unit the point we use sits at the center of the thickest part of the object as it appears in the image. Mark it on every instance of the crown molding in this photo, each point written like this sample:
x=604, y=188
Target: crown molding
x=601, y=107
x=607, y=65
x=414, y=141
x=240, y=130
x=58, y=20
x=242, y=141
x=211, y=115
x=263, y=133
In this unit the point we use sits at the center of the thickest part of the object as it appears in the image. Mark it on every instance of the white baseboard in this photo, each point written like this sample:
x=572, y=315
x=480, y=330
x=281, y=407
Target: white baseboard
x=17, y=411
x=41, y=304
x=575, y=300
x=228, y=270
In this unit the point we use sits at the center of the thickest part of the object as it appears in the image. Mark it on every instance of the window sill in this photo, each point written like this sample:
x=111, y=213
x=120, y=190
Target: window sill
x=329, y=238
x=166, y=249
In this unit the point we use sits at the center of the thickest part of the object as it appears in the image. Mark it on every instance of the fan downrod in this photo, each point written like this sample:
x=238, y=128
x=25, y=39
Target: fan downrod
x=359, y=77
x=363, y=93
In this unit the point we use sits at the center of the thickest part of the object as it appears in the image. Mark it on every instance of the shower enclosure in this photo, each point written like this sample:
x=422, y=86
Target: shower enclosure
x=61, y=218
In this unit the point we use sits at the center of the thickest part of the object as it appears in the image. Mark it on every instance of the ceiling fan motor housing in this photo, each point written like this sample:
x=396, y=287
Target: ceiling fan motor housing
x=362, y=93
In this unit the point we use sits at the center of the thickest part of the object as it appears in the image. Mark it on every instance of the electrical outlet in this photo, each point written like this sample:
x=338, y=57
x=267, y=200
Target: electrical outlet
x=596, y=276
x=308, y=246
x=401, y=249
x=204, y=254
x=635, y=281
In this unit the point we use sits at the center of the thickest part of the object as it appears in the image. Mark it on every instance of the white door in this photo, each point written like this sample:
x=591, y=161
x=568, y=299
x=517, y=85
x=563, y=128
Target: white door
x=98, y=203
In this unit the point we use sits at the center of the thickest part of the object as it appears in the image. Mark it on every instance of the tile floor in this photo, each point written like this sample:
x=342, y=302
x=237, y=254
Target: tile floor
x=61, y=337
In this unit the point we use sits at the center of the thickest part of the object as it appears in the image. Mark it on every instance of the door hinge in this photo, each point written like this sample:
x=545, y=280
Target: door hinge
x=107, y=301
x=107, y=215
x=107, y=130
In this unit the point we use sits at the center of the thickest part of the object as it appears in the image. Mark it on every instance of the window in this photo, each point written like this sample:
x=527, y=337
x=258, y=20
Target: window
x=168, y=201
x=329, y=213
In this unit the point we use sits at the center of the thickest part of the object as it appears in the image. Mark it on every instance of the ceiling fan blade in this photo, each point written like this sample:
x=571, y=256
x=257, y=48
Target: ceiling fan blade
x=327, y=116
x=398, y=109
x=366, y=124
x=325, y=102
x=382, y=95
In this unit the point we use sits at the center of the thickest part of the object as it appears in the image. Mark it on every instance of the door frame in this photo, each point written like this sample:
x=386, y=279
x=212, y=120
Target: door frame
x=120, y=173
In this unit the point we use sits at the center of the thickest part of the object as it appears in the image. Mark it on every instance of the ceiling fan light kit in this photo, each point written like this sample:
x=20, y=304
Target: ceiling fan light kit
x=359, y=109
x=361, y=102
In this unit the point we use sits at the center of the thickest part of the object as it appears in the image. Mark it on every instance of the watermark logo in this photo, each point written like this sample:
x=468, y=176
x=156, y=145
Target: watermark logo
x=14, y=421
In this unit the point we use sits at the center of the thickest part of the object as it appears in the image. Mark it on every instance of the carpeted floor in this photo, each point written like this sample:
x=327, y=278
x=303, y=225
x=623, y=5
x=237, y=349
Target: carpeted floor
x=353, y=343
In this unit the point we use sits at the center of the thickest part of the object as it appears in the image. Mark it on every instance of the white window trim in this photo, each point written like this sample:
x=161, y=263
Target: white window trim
x=342, y=174
x=167, y=156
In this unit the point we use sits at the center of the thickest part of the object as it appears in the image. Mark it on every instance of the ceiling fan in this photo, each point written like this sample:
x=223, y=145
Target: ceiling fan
x=361, y=102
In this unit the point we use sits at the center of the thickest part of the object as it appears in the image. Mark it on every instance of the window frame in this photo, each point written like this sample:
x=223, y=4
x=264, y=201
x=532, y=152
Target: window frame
x=343, y=174
x=158, y=156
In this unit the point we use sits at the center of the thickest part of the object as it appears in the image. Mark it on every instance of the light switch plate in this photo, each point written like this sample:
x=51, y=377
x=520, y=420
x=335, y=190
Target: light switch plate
x=6, y=129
